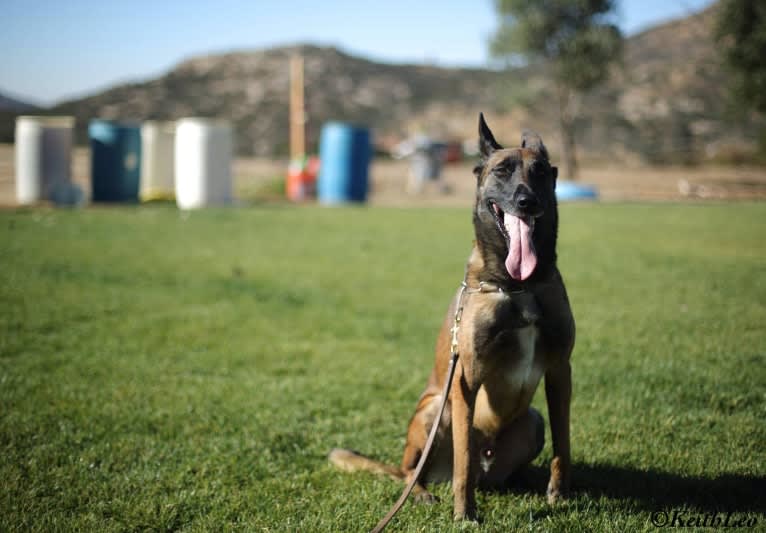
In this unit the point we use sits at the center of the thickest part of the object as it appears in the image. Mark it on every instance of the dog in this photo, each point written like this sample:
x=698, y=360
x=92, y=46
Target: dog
x=516, y=327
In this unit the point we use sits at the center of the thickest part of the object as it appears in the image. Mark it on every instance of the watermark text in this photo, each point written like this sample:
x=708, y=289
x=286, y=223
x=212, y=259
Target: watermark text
x=684, y=518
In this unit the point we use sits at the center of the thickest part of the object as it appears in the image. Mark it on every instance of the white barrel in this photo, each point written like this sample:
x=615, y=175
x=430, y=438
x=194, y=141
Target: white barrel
x=43, y=157
x=203, y=151
x=157, y=160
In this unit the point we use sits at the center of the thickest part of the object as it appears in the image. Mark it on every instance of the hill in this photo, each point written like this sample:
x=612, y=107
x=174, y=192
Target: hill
x=8, y=103
x=670, y=100
x=665, y=103
x=251, y=89
x=10, y=108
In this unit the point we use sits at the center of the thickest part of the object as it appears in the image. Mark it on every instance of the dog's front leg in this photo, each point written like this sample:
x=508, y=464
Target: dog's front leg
x=558, y=393
x=464, y=464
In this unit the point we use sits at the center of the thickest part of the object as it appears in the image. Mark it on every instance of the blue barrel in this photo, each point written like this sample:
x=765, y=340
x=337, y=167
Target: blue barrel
x=115, y=161
x=344, y=154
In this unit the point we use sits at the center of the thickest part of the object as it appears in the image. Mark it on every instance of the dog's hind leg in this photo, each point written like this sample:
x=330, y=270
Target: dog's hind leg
x=515, y=446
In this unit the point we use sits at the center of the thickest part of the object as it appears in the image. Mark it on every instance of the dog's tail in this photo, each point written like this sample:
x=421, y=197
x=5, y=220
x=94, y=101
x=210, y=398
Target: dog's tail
x=352, y=461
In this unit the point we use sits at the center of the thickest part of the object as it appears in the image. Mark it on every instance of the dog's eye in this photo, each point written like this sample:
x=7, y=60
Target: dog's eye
x=505, y=167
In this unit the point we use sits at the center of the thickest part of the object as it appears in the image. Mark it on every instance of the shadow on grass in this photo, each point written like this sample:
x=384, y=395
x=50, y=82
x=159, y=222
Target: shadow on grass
x=654, y=490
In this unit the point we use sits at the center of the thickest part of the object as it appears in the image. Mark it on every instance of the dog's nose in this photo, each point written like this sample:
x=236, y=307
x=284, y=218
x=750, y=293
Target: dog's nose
x=527, y=202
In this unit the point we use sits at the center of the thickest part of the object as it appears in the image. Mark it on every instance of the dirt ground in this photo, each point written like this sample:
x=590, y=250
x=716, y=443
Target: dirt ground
x=255, y=178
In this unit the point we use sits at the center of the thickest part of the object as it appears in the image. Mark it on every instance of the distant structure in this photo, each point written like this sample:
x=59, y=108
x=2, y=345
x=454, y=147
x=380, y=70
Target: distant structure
x=297, y=109
x=302, y=171
x=427, y=157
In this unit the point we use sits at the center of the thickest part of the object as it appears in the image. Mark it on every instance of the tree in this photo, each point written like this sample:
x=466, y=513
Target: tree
x=575, y=39
x=741, y=31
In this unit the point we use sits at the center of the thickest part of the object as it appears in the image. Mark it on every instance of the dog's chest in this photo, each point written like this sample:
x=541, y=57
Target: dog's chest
x=506, y=331
x=523, y=369
x=512, y=366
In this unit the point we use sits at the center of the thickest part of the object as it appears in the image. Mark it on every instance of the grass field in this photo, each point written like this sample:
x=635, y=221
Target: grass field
x=165, y=371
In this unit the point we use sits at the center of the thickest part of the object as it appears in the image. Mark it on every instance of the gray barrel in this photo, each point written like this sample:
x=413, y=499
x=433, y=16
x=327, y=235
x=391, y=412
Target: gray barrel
x=43, y=157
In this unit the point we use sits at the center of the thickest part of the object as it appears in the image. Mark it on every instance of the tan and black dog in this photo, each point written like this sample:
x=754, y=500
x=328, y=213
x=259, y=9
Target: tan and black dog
x=516, y=327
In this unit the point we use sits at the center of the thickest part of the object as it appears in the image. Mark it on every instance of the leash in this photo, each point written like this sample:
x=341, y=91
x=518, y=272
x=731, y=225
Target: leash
x=483, y=287
x=426, y=451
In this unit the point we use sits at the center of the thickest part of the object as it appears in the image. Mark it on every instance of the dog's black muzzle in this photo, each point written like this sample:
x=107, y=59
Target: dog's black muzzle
x=526, y=203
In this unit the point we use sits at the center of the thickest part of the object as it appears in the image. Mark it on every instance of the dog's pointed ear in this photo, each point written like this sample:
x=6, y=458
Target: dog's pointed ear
x=487, y=142
x=533, y=141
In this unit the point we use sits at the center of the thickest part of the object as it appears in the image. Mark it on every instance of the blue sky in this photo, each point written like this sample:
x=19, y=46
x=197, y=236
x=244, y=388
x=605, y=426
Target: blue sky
x=56, y=49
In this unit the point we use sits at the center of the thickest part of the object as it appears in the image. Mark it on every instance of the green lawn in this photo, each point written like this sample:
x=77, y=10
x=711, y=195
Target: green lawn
x=166, y=371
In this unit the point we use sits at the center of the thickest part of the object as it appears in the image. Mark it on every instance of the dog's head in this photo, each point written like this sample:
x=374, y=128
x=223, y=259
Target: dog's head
x=515, y=216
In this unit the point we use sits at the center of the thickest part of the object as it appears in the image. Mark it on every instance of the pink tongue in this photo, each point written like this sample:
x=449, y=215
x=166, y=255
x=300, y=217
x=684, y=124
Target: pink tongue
x=522, y=259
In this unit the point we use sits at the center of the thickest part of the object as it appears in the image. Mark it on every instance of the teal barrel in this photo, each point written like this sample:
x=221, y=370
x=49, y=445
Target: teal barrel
x=115, y=157
x=344, y=153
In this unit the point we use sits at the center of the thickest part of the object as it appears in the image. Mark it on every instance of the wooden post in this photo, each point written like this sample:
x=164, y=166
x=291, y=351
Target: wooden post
x=297, y=110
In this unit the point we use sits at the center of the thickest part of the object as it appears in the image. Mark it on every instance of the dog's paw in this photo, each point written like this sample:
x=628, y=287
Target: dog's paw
x=469, y=515
x=558, y=484
x=555, y=494
x=465, y=522
x=425, y=498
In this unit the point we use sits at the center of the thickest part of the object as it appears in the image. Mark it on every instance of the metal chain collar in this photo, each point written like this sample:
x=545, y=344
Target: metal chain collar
x=464, y=288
